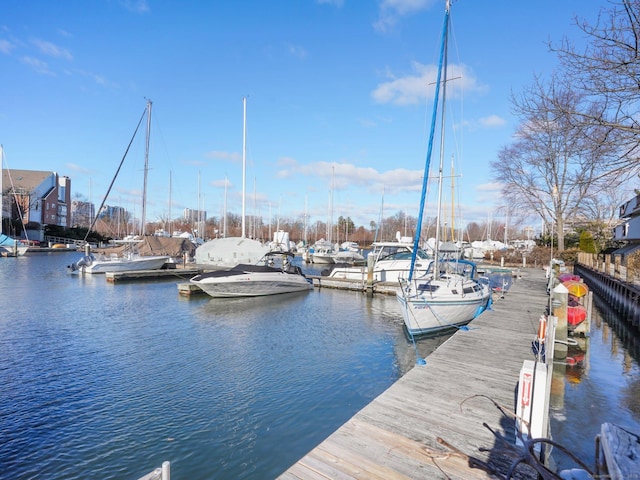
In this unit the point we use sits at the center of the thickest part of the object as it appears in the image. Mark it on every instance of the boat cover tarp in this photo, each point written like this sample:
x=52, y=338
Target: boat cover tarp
x=152, y=245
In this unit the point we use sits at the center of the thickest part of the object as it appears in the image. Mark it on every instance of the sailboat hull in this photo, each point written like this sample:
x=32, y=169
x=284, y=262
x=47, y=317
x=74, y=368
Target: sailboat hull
x=441, y=305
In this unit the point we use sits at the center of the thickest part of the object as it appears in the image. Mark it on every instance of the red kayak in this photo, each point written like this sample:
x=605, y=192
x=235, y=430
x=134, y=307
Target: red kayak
x=576, y=315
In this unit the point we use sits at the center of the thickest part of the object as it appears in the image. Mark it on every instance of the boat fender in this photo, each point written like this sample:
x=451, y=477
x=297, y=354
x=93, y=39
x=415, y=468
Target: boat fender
x=542, y=328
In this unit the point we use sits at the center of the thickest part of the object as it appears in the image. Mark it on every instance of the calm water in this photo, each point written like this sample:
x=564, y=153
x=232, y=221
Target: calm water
x=108, y=381
x=601, y=384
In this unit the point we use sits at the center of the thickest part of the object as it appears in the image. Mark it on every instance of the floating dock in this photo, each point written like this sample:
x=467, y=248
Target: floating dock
x=429, y=424
x=161, y=274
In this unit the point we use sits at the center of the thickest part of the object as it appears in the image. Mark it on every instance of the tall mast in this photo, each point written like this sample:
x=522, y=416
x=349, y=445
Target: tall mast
x=441, y=69
x=224, y=229
x=244, y=161
x=146, y=170
x=170, y=221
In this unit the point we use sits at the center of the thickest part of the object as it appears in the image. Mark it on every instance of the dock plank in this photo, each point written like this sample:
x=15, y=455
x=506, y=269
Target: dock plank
x=398, y=435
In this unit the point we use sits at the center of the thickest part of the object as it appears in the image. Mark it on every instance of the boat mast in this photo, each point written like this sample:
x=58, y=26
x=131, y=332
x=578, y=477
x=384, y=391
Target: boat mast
x=224, y=228
x=244, y=161
x=170, y=221
x=427, y=165
x=146, y=171
x=442, y=128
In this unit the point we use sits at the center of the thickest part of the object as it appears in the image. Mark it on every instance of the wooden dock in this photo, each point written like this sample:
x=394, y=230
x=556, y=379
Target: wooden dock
x=386, y=288
x=429, y=424
x=161, y=274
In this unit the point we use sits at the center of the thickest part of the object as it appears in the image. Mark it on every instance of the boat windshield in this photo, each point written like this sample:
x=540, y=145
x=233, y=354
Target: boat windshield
x=460, y=267
x=393, y=252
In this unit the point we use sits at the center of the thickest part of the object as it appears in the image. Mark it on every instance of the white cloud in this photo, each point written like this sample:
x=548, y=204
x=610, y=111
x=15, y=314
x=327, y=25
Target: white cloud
x=297, y=51
x=136, y=6
x=6, y=46
x=226, y=156
x=392, y=10
x=336, y=3
x=52, y=50
x=346, y=176
x=38, y=65
x=415, y=88
x=492, y=121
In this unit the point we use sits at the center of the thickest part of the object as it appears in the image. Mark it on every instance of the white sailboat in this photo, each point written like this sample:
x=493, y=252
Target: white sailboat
x=448, y=295
x=231, y=251
x=129, y=260
x=9, y=247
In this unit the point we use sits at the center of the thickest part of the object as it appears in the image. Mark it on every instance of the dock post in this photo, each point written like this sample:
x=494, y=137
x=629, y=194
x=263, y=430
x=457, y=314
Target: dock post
x=370, y=260
x=559, y=303
x=166, y=471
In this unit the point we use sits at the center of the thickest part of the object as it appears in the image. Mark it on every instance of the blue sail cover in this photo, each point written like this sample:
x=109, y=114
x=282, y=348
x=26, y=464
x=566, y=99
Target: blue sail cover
x=6, y=241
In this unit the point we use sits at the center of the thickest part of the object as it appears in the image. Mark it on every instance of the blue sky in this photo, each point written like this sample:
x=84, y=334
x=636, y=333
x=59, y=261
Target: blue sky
x=335, y=88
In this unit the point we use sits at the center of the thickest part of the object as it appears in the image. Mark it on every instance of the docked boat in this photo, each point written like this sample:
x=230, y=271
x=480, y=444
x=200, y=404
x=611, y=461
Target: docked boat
x=10, y=247
x=448, y=295
x=131, y=261
x=441, y=300
x=391, y=261
x=274, y=274
x=323, y=252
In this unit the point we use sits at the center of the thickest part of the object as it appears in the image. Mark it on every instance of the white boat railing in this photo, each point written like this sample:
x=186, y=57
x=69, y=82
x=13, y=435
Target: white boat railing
x=162, y=473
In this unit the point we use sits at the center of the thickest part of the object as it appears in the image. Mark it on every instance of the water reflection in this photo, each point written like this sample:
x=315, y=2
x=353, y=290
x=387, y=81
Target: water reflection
x=599, y=382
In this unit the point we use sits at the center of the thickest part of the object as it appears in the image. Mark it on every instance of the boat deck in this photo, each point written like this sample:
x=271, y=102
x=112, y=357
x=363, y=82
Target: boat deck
x=429, y=424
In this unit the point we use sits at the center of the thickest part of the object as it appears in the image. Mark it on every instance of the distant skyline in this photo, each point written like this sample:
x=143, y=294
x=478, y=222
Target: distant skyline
x=333, y=87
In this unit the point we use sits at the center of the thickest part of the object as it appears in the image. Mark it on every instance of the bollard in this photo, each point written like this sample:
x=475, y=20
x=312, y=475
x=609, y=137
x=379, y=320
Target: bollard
x=166, y=471
x=370, y=261
x=559, y=302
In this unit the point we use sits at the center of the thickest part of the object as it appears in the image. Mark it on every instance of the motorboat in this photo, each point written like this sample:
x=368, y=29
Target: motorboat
x=273, y=274
x=391, y=261
x=323, y=252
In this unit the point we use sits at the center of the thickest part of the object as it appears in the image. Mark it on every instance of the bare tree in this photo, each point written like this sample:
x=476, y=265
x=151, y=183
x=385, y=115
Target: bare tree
x=553, y=165
x=607, y=73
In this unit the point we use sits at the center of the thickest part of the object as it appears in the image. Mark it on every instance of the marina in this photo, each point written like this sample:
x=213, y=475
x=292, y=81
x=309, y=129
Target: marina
x=430, y=423
x=112, y=380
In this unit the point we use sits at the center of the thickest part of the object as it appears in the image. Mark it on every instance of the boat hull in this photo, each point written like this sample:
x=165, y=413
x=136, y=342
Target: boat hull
x=252, y=284
x=382, y=272
x=110, y=265
x=429, y=314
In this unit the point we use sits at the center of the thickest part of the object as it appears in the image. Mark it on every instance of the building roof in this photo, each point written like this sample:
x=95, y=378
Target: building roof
x=23, y=179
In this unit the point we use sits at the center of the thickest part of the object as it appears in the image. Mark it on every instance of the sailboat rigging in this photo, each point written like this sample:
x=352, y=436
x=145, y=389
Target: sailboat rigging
x=231, y=251
x=129, y=260
x=9, y=247
x=448, y=295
